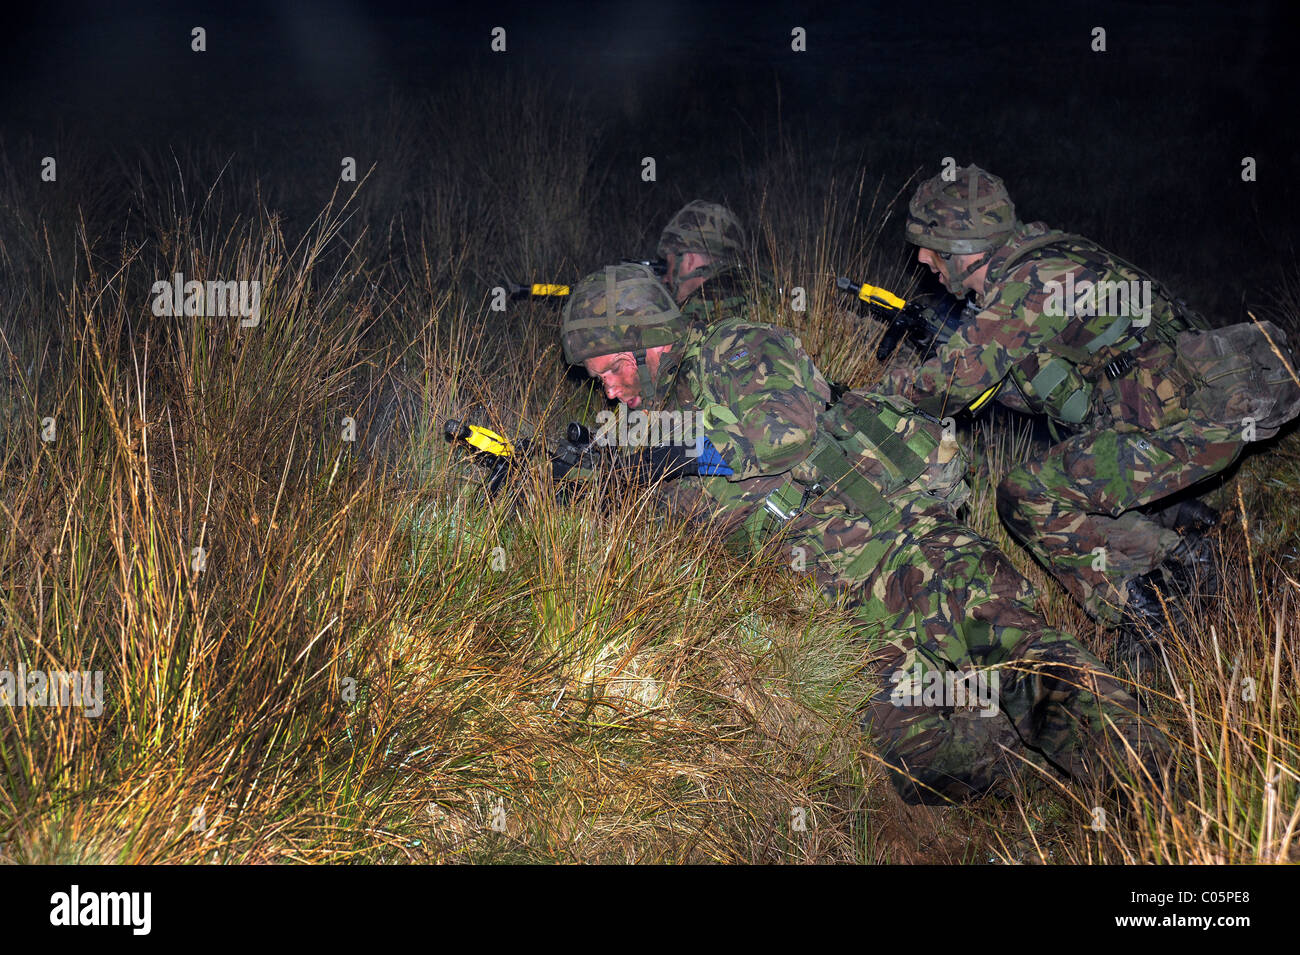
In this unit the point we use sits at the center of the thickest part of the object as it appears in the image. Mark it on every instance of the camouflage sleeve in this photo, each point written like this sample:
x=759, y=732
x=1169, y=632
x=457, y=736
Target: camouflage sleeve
x=898, y=381
x=979, y=355
x=760, y=396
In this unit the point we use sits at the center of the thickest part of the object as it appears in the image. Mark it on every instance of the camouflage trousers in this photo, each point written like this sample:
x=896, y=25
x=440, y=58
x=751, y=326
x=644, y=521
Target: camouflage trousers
x=973, y=682
x=1075, y=509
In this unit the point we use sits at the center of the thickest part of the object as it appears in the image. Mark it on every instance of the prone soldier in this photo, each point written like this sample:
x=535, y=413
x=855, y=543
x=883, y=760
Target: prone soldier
x=868, y=488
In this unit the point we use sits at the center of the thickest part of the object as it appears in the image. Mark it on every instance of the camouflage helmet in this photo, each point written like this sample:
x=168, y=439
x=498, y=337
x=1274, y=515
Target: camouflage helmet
x=971, y=213
x=643, y=315
x=706, y=228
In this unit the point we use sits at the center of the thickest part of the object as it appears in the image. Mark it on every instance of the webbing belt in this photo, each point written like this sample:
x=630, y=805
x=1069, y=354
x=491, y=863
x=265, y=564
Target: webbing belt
x=833, y=471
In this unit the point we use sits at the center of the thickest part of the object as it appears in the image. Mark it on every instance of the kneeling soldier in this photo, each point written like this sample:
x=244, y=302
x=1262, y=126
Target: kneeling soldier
x=1144, y=400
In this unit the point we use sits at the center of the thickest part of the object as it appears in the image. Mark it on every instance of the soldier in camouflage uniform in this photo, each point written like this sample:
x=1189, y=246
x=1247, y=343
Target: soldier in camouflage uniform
x=862, y=494
x=705, y=248
x=1143, y=399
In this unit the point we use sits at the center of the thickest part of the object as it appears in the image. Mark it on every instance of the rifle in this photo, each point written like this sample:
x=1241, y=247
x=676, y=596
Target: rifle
x=500, y=457
x=556, y=293
x=579, y=449
x=925, y=322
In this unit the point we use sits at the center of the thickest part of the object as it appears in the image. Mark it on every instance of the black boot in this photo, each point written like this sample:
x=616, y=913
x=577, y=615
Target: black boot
x=1194, y=516
x=1192, y=568
x=1143, y=612
x=1142, y=625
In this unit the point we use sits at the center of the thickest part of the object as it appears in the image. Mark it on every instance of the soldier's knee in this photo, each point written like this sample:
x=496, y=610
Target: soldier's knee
x=920, y=784
x=920, y=788
x=933, y=758
x=1006, y=502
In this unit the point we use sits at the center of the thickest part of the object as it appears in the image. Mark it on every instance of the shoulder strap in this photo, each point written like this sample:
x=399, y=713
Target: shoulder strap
x=1044, y=242
x=889, y=446
x=1190, y=317
x=834, y=470
x=1064, y=358
x=693, y=350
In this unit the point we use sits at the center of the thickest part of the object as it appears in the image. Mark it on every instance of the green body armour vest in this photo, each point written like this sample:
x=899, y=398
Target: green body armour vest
x=869, y=451
x=1064, y=383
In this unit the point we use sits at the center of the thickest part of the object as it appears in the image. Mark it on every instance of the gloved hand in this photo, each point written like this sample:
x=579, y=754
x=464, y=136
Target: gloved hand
x=708, y=461
x=671, y=461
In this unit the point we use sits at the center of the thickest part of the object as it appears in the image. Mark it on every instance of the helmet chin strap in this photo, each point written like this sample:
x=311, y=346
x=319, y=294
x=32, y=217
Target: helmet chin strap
x=643, y=373
x=957, y=284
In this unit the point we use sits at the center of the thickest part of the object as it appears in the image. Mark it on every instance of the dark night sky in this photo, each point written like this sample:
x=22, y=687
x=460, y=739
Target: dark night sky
x=1156, y=126
x=134, y=60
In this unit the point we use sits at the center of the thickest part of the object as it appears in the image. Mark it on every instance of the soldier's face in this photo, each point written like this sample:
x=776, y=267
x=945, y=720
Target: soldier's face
x=956, y=264
x=930, y=259
x=953, y=265
x=618, y=376
x=679, y=265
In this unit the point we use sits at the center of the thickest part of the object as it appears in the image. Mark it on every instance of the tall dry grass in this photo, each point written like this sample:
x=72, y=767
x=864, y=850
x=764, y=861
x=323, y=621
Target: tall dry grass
x=370, y=663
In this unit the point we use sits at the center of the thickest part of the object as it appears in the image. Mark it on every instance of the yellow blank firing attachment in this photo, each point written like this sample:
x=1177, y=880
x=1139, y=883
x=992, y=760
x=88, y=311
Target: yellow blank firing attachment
x=873, y=293
x=488, y=441
x=546, y=291
x=480, y=439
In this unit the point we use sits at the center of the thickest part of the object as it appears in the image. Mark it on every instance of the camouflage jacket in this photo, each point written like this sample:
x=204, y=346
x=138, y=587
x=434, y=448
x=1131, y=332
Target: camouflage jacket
x=759, y=399
x=755, y=394
x=1054, y=321
x=735, y=291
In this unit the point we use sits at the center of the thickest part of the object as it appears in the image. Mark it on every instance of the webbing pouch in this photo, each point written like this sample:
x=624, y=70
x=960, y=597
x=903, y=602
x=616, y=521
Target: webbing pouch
x=834, y=472
x=891, y=447
x=870, y=431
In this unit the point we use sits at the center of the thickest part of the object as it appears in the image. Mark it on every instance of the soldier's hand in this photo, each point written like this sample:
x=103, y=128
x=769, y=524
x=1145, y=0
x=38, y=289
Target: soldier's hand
x=898, y=381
